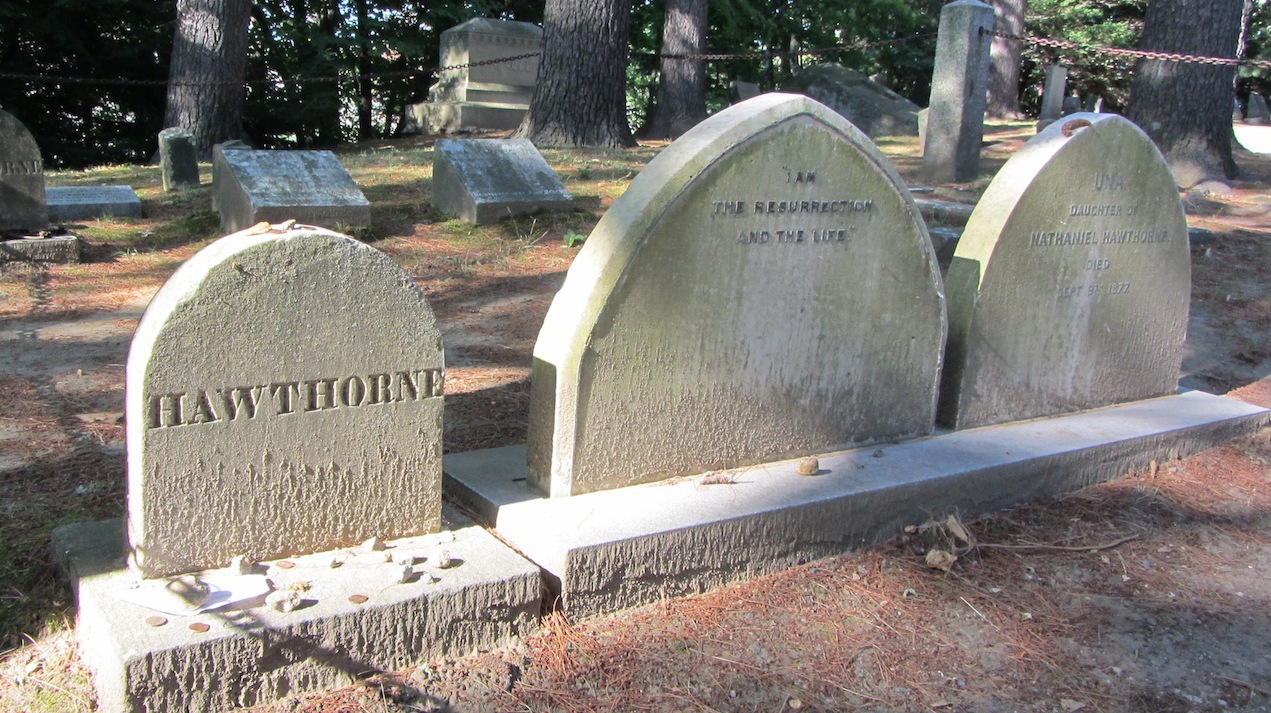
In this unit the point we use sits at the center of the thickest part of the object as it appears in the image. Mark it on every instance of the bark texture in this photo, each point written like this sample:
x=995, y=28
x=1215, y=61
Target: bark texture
x=205, y=77
x=1004, y=59
x=580, y=96
x=1184, y=106
x=681, y=98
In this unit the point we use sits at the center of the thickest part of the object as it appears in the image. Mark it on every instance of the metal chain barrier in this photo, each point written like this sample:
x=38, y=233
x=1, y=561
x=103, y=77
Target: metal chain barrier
x=51, y=79
x=1145, y=54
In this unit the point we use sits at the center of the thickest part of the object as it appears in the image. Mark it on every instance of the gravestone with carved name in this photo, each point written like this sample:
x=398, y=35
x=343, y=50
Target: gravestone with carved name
x=765, y=288
x=22, y=202
x=283, y=397
x=1070, y=287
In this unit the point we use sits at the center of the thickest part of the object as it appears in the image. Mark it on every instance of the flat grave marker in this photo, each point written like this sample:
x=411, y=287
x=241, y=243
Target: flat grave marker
x=1070, y=287
x=273, y=186
x=485, y=180
x=67, y=203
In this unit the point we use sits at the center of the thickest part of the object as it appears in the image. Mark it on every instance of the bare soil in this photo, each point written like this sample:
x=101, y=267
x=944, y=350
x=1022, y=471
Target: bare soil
x=1150, y=593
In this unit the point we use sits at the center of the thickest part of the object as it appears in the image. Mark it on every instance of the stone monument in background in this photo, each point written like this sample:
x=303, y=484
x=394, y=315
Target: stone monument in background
x=481, y=93
x=871, y=107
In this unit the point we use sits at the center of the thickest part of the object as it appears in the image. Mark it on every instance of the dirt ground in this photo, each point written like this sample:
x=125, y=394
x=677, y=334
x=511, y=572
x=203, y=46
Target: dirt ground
x=1150, y=593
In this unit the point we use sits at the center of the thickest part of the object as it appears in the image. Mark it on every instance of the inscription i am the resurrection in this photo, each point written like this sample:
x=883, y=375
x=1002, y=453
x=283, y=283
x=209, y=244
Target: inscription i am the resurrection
x=234, y=403
x=800, y=209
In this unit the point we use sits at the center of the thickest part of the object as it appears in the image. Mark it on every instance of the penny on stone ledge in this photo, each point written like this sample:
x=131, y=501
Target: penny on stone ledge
x=358, y=598
x=156, y=621
x=199, y=627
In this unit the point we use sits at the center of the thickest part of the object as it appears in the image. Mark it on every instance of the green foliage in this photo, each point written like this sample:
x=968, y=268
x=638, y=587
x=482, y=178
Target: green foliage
x=573, y=239
x=1091, y=73
x=1258, y=79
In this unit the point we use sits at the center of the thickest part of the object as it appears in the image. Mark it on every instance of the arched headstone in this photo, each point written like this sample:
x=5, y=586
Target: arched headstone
x=765, y=288
x=283, y=397
x=1070, y=287
x=22, y=203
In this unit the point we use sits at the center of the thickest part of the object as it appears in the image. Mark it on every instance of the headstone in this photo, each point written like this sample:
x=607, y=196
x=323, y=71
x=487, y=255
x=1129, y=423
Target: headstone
x=67, y=203
x=741, y=91
x=1070, y=287
x=283, y=397
x=1257, y=111
x=22, y=207
x=1053, y=95
x=272, y=186
x=871, y=107
x=1237, y=113
x=178, y=159
x=959, y=92
x=1071, y=105
x=765, y=288
x=484, y=180
x=219, y=166
x=493, y=65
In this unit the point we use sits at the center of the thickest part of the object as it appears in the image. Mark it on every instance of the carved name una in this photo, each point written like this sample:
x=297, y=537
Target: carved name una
x=21, y=168
x=289, y=398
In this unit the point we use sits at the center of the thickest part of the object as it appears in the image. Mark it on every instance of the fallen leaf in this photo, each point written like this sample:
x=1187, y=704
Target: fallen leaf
x=939, y=559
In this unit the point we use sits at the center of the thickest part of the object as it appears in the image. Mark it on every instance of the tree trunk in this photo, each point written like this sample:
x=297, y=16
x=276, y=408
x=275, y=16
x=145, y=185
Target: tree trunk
x=1184, y=106
x=365, y=97
x=681, y=99
x=1005, y=58
x=205, y=77
x=580, y=96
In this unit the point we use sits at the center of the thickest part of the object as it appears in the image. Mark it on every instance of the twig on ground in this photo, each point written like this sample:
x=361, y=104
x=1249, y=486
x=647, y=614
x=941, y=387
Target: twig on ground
x=1061, y=548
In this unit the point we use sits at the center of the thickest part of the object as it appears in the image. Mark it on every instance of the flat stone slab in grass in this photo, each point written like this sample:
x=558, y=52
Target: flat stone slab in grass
x=273, y=186
x=354, y=620
x=22, y=205
x=283, y=396
x=89, y=202
x=1071, y=284
x=621, y=548
x=765, y=288
x=485, y=180
x=62, y=248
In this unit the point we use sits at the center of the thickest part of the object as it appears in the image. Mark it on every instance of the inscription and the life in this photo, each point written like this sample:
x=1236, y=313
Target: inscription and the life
x=801, y=209
x=1110, y=184
x=285, y=398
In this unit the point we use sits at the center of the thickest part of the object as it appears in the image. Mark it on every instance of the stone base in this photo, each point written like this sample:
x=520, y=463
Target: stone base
x=614, y=549
x=252, y=654
x=452, y=117
x=62, y=248
x=88, y=202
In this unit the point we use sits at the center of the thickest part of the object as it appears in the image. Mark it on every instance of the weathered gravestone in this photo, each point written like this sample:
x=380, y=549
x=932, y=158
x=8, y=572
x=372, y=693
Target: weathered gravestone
x=959, y=86
x=272, y=186
x=178, y=159
x=484, y=180
x=283, y=397
x=1258, y=112
x=871, y=107
x=739, y=91
x=765, y=288
x=88, y=202
x=1070, y=287
x=22, y=206
x=1053, y=95
x=489, y=70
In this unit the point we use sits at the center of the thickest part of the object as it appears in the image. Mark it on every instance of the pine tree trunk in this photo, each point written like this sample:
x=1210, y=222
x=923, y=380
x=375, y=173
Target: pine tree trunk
x=1186, y=107
x=681, y=98
x=205, y=77
x=1005, y=59
x=580, y=96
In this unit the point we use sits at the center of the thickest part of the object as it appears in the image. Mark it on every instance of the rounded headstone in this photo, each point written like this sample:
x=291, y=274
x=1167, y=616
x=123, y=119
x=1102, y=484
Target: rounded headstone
x=283, y=397
x=1070, y=287
x=22, y=202
x=764, y=289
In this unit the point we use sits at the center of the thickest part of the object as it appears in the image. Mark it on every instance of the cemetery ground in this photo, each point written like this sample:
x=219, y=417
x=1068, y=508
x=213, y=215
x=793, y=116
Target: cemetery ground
x=1150, y=593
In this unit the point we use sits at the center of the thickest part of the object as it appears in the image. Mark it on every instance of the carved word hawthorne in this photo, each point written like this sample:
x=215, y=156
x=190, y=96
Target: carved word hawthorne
x=235, y=403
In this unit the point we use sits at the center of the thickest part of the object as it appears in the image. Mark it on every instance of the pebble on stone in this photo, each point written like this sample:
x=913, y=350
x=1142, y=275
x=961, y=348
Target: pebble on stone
x=374, y=544
x=284, y=600
x=809, y=466
x=189, y=590
x=441, y=559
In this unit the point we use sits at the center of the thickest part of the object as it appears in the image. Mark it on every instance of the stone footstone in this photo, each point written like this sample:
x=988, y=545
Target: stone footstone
x=615, y=549
x=178, y=159
x=311, y=187
x=765, y=288
x=354, y=619
x=283, y=397
x=1071, y=284
x=483, y=181
x=22, y=206
x=67, y=203
x=61, y=248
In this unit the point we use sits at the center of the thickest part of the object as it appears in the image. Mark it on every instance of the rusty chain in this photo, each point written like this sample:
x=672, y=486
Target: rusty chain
x=52, y=79
x=1145, y=54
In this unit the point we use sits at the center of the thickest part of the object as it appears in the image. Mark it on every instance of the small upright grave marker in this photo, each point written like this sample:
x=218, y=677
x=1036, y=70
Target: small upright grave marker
x=178, y=159
x=272, y=186
x=283, y=397
x=765, y=288
x=1070, y=287
x=22, y=202
x=484, y=180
